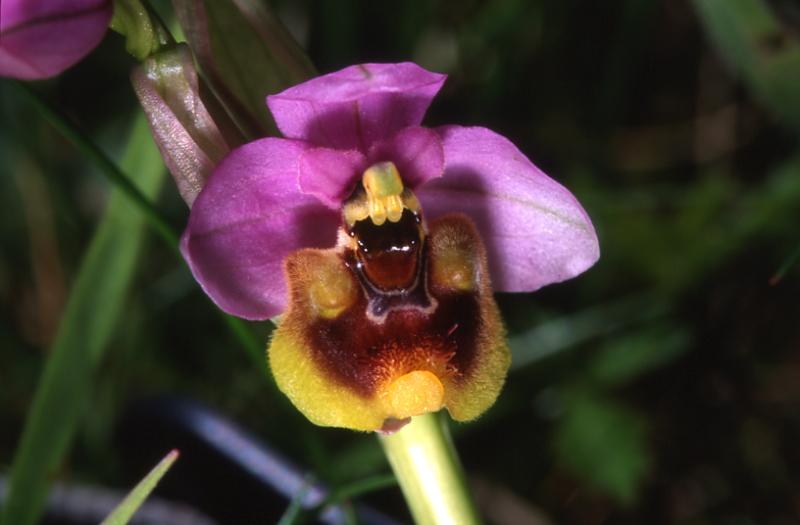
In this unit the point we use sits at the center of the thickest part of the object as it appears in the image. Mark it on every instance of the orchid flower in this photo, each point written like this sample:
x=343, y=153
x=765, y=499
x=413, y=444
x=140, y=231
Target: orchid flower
x=382, y=241
x=42, y=38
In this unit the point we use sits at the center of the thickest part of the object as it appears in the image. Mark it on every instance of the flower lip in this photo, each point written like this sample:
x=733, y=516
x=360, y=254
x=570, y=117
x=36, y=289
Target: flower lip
x=349, y=370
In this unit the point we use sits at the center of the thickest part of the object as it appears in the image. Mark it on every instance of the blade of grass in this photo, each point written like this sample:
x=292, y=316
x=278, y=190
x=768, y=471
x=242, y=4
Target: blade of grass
x=292, y=513
x=751, y=38
x=128, y=507
x=254, y=348
x=120, y=180
x=95, y=303
x=358, y=488
x=227, y=38
x=296, y=515
x=107, y=167
x=785, y=267
x=569, y=331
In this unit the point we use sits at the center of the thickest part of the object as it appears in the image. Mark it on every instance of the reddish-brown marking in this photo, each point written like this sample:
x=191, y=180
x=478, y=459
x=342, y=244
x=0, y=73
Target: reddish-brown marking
x=361, y=353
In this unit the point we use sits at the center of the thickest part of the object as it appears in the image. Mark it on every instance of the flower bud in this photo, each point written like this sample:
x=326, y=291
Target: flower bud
x=245, y=53
x=144, y=34
x=191, y=141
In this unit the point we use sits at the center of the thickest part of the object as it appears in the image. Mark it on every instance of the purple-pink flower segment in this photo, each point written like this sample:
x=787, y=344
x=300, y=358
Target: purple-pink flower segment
x=274, y=196
x=42, y=38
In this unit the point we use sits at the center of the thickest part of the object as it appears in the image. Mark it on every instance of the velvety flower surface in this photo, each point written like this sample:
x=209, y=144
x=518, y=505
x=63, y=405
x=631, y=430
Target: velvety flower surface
x=381, y=241
x=273, y=196
x=42, y=38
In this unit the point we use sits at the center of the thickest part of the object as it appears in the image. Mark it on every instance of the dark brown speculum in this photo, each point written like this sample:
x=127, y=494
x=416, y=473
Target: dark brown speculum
x=389, y=254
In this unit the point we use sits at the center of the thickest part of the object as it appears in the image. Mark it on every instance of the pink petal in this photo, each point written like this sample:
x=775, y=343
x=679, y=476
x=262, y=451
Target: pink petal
x=536, y=233
x=247, y=219
x=42, y=38
x=357, y=106
x=330, y=174
x=417, y=152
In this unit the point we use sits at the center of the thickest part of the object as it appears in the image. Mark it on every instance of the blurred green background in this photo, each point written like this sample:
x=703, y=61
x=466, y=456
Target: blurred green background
x=663, y=386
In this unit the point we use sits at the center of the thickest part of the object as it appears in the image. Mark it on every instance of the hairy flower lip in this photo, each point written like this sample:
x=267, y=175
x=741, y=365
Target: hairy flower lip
x=351, y=370
x=259, y=205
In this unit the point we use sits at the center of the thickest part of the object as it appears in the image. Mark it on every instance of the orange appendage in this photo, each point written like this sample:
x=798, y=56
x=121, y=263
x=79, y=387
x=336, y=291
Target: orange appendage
x=413, y=394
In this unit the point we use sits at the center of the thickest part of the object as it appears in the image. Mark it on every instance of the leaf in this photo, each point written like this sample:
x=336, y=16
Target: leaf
x=101, y=161
x=571, y=330
x=359, y=488
x=786, y=265
x=293, y=512
x=626, y=357
x=756, y=46
x=246, y=54
x=361, y=459
x=95, y=304
x=128, y=507
x=604, y=444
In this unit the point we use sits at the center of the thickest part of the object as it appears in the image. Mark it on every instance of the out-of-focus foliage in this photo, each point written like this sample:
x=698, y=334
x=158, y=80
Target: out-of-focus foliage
x=89, y=319
x=660, y=387
x=603, y=443
x=242, y=48
x=757, y=45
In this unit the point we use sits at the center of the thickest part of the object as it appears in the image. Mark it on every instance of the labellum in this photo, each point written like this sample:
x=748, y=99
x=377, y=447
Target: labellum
x=396, y=320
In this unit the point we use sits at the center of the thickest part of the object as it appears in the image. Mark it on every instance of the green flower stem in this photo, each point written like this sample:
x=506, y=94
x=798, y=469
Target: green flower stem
x=425, y=462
